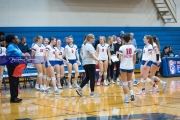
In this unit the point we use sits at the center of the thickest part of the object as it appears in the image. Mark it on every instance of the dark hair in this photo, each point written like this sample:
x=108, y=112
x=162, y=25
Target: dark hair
x=155, y=39
x=1, y=33
x=126, y=38
x=9, y=38
x=22, y=38
x=150, y=39
x=51, y=39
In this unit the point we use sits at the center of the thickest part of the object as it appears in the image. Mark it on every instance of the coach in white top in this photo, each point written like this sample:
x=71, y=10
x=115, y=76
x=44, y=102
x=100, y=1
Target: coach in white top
x=89, y=61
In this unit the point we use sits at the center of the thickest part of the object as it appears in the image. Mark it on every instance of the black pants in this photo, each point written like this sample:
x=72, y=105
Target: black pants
x=117, y=69
x=13, y=81
x=90, y=75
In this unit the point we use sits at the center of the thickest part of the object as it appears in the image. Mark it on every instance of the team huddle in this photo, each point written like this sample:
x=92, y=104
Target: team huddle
x=50, y=60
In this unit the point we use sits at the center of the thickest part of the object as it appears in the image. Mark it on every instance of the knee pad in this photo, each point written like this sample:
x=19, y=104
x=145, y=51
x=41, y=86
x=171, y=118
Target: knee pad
x=105, y=73
x=48, y=78
x=148, y=80
x=152, y=78
x=1, y=78
x=40, y=75
x=142, y=80
x=100, y=73
x=44, y=77
x=58, y=75
x=76, y=74
x=53, y=79
x=125, y=83
x=69, y=75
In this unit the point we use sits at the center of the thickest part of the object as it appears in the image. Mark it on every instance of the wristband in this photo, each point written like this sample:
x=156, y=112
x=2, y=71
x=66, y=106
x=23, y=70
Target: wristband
x=157, y=57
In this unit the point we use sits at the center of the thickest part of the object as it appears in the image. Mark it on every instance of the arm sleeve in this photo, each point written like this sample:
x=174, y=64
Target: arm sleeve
x=34, y=48
x=47, y=48
x=150, y=48
x=9, y=51
x=120, y=51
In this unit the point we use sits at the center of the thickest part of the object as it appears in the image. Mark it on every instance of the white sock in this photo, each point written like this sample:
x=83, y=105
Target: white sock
x=131, y=92
x=41, y=86
x=55, y=88
x=125, y=95
x=75, y=81
x=37, y=85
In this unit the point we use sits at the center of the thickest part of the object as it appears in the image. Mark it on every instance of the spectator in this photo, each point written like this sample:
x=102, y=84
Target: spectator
x=2, y=44
x=23, y=46
x=66, y=41
x=121, y=35
x=139, y=51
x=171, y=53
x=96, y=43
x=165, y=52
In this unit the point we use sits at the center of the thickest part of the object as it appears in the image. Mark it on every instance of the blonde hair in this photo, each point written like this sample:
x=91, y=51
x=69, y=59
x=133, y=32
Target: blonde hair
x=37, y=38
x=89, y=36
x=109, y=39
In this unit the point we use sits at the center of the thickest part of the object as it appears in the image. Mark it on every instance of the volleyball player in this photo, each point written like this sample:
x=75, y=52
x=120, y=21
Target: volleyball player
x=2, y=53
x=103, y=52
x=38, y=52
x=71, y=51
x=146, y=65
x=59, y=66
x=51, y=56
x=156, y=63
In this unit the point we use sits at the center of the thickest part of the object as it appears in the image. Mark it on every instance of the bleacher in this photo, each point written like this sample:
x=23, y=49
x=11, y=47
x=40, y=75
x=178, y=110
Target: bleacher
x=168, y=36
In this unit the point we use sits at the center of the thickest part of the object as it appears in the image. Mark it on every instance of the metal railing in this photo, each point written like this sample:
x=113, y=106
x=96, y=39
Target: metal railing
x=172, y=8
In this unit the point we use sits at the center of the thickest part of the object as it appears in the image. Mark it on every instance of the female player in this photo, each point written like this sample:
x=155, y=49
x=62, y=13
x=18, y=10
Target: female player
x=38, y=52
x=51, y=56
x=59, y=67
x=146, y=64
x=127, y=56
x=71, y=55
x=156, y=63
x=103, y=52
x=2, y=53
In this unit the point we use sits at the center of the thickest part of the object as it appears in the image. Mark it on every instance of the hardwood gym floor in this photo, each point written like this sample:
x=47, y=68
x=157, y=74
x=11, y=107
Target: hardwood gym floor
x=109, y=106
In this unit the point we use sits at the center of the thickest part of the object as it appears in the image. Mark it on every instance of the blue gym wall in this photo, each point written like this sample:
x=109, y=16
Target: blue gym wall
x=168, y=36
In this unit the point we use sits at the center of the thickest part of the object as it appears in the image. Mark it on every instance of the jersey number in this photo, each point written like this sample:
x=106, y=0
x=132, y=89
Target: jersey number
x=102, y=50
x=72, y=51
x=41, y=50
x=128, y=51
x=60, y=53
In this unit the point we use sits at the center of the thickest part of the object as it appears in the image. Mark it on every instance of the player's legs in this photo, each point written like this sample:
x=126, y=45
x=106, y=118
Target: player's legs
x=101, y=70
x=69, y=74
x=1, y=76
x=39, y=77
x=105, y=67
x=75, y=66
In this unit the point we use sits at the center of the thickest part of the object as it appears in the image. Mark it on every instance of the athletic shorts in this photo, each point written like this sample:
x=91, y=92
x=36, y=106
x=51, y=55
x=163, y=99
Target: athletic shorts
x=128, y=71
x=154, y=63
x=72, y=62
x=51, y=62
x=148, y=64
x=59, y=63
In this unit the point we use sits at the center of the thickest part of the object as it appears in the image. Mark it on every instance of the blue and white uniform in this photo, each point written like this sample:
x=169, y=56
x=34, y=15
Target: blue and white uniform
x=39, y=53
x=147, y=55
x=60, y=52
x=127, y=52
x=2, y=54
x=103, y=55
x=71, y=53
x=51, y=56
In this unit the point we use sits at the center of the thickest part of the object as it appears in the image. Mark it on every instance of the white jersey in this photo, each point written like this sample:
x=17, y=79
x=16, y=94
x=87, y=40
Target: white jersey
x=39, y=49
x=2, y=51
x=154, y=53
x=52, y=51
x=60, y=52
x=71, y=52
x=103, y=55
x=146, y=52
x=127, y=52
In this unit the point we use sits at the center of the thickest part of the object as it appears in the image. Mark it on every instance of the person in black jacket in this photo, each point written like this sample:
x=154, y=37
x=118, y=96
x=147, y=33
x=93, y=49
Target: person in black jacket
x=171, y=53
x=165, y=52
x=23, y=46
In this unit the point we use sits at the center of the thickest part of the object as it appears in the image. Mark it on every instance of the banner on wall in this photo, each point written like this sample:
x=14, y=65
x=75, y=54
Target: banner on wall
x=174, y=67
